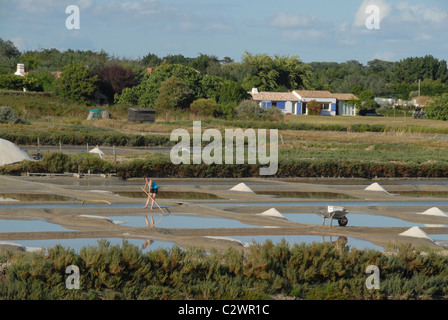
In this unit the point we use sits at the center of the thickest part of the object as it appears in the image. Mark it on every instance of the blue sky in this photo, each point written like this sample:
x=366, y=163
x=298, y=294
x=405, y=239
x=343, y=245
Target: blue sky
x=319, y=30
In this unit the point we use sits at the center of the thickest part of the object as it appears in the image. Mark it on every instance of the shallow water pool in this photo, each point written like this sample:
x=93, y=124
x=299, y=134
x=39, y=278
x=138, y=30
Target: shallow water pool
x=307, y=239
x=355, y=220
x=180, y=221
x=170, y=195
x=29, y=226
x=440, y=203
x=35, y=197
x=77, y=244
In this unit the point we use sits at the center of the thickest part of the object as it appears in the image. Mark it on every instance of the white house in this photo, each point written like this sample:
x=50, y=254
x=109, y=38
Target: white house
x=325, y=98
x=285, y=101
x=295, y=102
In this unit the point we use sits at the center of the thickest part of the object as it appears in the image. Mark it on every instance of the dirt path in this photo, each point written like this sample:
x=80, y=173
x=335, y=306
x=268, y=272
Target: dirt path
x=81, y=224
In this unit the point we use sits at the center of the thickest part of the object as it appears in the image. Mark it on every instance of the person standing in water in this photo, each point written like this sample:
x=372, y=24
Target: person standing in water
x=153, y=189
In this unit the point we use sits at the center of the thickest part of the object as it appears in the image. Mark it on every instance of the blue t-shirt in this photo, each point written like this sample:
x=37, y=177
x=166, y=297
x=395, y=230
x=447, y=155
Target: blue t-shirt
x=154, y=185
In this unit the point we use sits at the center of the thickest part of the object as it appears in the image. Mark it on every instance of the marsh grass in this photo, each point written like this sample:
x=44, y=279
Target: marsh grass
x=267, y=270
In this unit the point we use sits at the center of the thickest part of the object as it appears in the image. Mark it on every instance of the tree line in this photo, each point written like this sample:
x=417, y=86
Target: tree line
x=174, y=82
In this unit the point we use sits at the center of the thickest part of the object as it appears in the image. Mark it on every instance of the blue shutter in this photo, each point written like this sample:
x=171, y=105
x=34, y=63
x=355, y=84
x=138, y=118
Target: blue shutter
x=281, y=105
x=266, y=104
x=333, y=107
x=299, y=108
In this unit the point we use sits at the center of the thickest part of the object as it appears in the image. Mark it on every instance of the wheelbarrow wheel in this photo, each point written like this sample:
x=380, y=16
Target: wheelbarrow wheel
x=343, y=221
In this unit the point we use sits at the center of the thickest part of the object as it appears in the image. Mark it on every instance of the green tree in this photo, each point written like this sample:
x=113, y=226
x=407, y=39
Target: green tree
x=232, y=91
x=151, y=60
x=76, y=83
x=11, y=82
x=411, y=69
x=438, y=109
x=9, y=56
x=146, y=93
x=366, y=102
x=174, y=94
x=211, y=87
x=203, y=62
x=280, y=71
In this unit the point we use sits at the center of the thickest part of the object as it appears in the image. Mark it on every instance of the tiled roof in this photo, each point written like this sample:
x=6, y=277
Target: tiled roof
x=314, y=93
x=294, y=96
x=345, y=96
x=274, y=96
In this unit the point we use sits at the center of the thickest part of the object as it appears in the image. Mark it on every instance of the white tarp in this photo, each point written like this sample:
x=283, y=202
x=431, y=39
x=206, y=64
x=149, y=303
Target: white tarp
x=10, y=153
x=97, y=151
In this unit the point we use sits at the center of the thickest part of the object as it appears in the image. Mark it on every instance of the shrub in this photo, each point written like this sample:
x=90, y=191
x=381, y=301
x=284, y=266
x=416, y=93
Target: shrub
x=314, y=108
x=272, y=114
x=304, y=271
x=204, y=107
x=248, y=110
x=8, y=115
x=11, y=82
x=438, y=109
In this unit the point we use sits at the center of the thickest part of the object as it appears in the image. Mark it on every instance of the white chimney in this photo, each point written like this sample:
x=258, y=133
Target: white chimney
x=20, y=69
x=254, y=91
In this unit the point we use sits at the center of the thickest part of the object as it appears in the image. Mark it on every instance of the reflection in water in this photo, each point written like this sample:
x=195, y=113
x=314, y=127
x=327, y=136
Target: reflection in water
x=340, y=242
x=148, y=242
x=307, y=195
x=77, y=244
x=170, y=195
x=183, y=222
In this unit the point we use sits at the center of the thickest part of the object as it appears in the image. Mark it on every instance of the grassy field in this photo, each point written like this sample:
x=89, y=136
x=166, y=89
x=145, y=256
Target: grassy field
x=307, y=139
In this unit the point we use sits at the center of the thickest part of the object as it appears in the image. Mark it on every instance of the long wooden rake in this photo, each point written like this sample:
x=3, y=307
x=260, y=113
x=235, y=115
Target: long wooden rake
x=168, y=210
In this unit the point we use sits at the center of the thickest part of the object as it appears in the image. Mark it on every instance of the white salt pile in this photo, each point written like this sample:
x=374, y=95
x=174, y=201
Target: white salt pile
x=242, y=187
x=435, y=212
x=10, y=153
x=377, y=187
x=415, y=232
x=272, y=213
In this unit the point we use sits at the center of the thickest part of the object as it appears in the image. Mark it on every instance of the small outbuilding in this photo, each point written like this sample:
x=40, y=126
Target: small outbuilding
x=141, y=115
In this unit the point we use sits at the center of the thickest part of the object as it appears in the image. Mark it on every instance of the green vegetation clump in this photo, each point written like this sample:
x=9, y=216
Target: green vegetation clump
x=438, y=109
x=301, y=271
x=8, y=115
x=161, y=166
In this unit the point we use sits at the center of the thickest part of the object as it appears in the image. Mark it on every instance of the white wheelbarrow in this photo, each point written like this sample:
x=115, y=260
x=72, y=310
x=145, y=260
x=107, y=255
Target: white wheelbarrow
x=338, y=213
